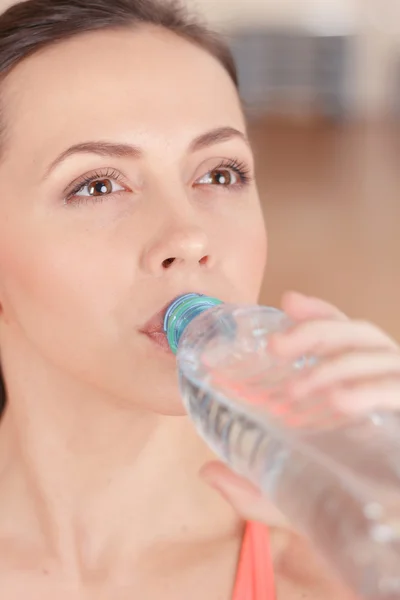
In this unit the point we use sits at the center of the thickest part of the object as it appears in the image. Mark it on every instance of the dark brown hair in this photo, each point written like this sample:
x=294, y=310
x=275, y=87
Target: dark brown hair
x=28, y=27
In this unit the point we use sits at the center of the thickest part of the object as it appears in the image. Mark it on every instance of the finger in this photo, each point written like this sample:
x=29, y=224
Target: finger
x=300, y=307
x=364, y=398
x=245, y=498
x=345, y=369
x=326, y=337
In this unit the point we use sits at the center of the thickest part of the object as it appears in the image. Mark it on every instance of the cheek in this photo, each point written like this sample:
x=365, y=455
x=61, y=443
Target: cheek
x=63, y=296
x=247, y=259
x=44, y=280
x=253, y=262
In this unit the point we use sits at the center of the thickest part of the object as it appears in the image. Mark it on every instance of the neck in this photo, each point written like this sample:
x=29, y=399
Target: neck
x=95, y=483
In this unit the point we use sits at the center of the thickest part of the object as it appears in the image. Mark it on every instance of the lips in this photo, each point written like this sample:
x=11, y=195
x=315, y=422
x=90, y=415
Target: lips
x=154, y=328
x=160, y=339
x=156, y=323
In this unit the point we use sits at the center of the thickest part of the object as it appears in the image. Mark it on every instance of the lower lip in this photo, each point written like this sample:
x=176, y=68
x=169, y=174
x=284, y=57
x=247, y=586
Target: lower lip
x=160, y=339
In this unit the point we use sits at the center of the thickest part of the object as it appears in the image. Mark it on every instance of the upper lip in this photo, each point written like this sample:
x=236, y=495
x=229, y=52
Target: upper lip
x=156, y=323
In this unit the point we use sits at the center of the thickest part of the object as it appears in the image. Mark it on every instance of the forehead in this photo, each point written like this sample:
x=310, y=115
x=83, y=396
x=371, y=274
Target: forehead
x=112, y=83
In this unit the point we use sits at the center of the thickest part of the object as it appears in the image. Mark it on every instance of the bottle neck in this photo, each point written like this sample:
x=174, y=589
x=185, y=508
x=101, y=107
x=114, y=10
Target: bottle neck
x=182, y=312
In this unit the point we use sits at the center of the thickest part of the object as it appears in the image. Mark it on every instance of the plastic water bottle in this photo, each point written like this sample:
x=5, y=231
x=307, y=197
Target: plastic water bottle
x=336, y=477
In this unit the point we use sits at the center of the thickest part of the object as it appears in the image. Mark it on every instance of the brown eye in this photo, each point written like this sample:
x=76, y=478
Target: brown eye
x=97, y=188
x=100, y=187
x=222, y=177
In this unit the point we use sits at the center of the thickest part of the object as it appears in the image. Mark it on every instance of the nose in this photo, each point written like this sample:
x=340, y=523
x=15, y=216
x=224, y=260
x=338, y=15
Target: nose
x=178, y=247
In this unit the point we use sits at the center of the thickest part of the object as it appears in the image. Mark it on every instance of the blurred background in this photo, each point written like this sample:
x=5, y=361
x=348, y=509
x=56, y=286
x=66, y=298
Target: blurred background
x=320, y=82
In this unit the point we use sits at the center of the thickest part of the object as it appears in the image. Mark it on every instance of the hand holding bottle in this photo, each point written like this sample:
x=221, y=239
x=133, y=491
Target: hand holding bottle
x=358, y=370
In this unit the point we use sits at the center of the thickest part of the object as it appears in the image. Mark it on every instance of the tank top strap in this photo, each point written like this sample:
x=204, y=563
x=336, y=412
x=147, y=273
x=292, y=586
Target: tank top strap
x=255, y=577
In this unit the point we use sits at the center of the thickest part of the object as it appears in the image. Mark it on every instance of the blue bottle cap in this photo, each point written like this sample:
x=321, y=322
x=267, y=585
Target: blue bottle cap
x=181, y=312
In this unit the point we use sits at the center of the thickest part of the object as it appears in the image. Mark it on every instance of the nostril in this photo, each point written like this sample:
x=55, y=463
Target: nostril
x=168, y=262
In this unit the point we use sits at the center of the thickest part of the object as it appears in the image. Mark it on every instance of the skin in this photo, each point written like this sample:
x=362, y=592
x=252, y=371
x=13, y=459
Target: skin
x=88, y=443
x=358, y=371
x=100, y=494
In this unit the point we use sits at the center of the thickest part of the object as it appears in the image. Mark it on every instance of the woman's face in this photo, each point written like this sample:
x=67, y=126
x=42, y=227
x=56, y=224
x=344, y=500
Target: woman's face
x=127, y=180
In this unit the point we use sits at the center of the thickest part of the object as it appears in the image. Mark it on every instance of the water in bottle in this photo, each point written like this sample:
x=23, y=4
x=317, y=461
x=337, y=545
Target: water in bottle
x=336, y=477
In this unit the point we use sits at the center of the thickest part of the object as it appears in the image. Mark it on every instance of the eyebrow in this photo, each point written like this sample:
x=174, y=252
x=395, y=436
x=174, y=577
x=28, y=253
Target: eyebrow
x=109, y=149
x=100, y=148
x=217, y=136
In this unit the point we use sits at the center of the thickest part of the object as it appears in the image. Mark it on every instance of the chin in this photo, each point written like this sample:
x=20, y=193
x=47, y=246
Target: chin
x=170, y=410
x=155, y=394
x=167, y=402
x=165, y=406
x=145, y=381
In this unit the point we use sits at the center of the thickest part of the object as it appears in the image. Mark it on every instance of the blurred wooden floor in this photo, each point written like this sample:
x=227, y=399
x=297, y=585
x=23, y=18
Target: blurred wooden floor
x=331, y=196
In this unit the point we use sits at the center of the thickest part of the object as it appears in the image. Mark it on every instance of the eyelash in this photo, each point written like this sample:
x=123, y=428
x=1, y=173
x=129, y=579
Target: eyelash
x=235, y=165
x=239, y=167
x=90, y=178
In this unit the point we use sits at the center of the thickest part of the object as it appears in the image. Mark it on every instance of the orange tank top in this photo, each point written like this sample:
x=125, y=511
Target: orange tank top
x=255, y=577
